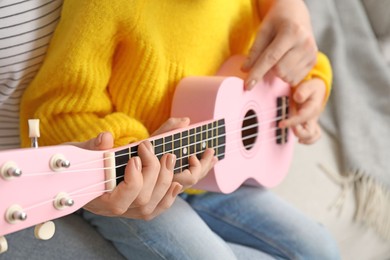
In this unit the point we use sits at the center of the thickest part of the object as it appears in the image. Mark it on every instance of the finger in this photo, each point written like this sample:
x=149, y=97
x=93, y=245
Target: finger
x=172, y=124
x=128, y=190
x=167, y=201
x=164, y=204
x=314, y=89
x=163, y=183
x=263, y=39
x=302, y=131
x=118, y=201
x=269, y=58
x=304, y=92
x=304, y=114
x=306, y=106
x=308, y=133
x=103, y=141
x=150, y=171
x=312, y=139
x=294, y=66
x=207, y=161
x=197, y=168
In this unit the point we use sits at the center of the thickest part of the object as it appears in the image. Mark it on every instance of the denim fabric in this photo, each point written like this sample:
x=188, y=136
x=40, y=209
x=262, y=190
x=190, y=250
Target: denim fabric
x=219, y=226
x=259, y=219
x=74, y=239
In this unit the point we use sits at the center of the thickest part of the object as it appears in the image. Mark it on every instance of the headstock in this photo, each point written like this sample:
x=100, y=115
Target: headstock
x=41, y=184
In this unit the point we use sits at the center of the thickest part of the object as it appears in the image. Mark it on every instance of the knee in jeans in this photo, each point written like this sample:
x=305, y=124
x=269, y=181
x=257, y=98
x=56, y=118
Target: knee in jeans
x=322, y=247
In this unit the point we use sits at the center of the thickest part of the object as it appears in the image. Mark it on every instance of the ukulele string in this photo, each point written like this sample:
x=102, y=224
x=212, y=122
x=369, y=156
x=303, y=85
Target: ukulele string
x=270, y=121
x=182, y=166
x=215, y=147
x=204, y=141
x=230, y=151
x=76, y=195
x=131, y=154
x=200, y=152
x=80, y=192
x=51, y=201
x=269, y=110
x=231, y=122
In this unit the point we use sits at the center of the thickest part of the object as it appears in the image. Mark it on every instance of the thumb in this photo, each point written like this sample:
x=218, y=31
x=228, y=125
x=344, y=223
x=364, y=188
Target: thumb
x=172, y=124
x=103, y=141
x=263, y=39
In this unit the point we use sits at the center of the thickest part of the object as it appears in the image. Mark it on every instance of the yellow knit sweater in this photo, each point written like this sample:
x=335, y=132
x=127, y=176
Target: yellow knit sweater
x=113, y=65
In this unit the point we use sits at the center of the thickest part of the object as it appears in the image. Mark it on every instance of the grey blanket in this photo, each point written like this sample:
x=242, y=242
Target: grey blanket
x=354, y=35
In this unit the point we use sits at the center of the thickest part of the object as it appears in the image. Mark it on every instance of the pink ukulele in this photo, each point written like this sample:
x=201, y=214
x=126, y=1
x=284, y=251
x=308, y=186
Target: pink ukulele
x=37, y=185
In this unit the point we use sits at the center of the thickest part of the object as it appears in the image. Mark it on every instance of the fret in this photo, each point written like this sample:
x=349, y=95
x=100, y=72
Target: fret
x=215, y=136
x=203, y=141
x=168, y=144
x=133, y=151
x=159, y=148
x=198, y=141
x=121, y=159
x=184, y=149
x=177, y=151
x=192, y=142
x=220, y=152
x=210, y=135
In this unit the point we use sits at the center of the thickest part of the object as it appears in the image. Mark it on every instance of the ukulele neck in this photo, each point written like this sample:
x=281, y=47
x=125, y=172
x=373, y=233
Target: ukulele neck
x=191, y=141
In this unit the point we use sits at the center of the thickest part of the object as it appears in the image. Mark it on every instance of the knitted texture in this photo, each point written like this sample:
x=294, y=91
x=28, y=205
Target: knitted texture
x=113, y=65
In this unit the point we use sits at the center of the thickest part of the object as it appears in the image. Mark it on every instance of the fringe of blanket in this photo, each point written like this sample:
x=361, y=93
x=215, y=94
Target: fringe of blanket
x=372, y=204
x=372, y=199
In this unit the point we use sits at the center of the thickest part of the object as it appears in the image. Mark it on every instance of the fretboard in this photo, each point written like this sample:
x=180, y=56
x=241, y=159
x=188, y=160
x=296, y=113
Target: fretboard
x=192, y=141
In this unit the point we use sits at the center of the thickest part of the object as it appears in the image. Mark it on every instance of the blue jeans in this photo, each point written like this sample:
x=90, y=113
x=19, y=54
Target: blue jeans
x=215, y=226
x=74, y=238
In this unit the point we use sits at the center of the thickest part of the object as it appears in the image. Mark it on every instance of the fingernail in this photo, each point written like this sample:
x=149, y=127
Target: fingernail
x=177, y=190
x=170, y=162
x=249, y=85
x=150, y=147
x=98, y=139
x=137, y=162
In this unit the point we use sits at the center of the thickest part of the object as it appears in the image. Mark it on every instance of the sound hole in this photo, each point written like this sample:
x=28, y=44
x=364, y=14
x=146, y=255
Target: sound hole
x=249, y=130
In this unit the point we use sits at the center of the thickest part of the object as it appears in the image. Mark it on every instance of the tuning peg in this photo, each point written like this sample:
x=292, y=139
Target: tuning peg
x=3, y=245
x=33, y=126
x=58, y=163
x=10, y=170
x=14, y=214
x=62, y=201
x=45, y=231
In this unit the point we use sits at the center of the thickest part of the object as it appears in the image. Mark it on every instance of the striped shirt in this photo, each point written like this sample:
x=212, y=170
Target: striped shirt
x=25, y=31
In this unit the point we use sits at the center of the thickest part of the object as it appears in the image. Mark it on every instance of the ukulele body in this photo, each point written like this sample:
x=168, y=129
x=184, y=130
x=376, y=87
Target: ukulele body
x=254, y=161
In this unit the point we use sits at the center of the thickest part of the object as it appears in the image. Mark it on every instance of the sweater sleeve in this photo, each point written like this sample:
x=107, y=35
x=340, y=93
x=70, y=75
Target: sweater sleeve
x=323, y=70
x=70, y=95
